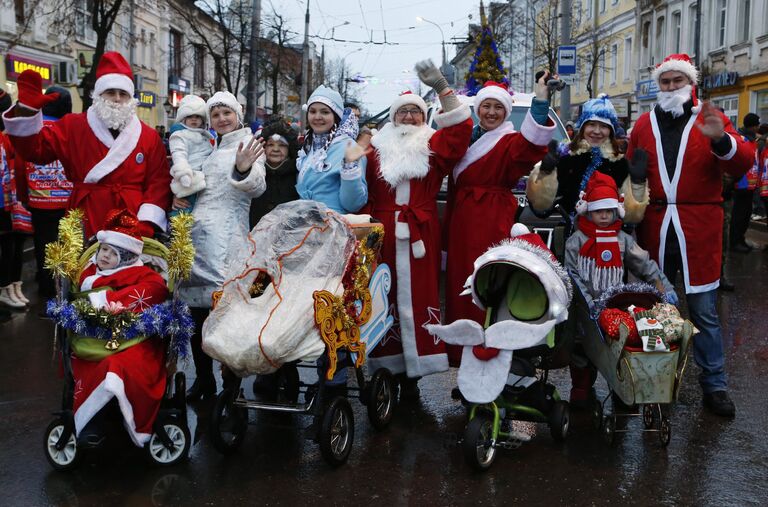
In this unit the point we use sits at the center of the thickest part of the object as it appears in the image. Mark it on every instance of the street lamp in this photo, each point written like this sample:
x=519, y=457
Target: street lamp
x=442, y=35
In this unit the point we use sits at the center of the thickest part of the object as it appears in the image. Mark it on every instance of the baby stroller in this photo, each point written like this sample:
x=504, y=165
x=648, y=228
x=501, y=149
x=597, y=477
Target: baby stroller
x=635, y=376
x=91, y=335
x=308, y=287
x=525, y=294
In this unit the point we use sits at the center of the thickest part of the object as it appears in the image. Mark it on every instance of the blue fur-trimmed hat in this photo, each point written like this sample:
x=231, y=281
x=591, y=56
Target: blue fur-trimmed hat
x=327, y=96
x=600, y=109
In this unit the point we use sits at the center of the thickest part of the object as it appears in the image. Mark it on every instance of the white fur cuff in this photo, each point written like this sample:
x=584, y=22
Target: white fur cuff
x=537, y=134
x=731, y=153
x=454, y=117
x=23, y=126
x=98, y=299
x=152, y=213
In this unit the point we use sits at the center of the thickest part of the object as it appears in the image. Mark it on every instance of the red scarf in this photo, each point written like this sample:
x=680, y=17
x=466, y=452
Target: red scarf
x=600, y=263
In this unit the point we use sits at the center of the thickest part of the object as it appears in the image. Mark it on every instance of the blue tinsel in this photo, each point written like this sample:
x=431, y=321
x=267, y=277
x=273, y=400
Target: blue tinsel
x=597, y=160
x=170, y=320
x=472, y=85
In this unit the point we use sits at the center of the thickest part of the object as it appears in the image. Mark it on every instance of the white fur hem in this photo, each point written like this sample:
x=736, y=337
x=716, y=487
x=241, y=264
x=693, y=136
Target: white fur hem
x=454, y=117
x=698, y=289
x=537, y=134
x=111, y=386
x=23, y=126
x=731, y=153
x=149, y=212
x=98, y=299
x=402, y=231
x=421, y=366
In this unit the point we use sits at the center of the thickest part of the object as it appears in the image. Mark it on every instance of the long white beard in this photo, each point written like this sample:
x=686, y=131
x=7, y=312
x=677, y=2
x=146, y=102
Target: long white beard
x=114, y=115
x=403, y=152
x=672, y=102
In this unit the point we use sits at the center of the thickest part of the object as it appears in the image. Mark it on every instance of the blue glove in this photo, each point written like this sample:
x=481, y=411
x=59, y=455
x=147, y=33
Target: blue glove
x=672, y=297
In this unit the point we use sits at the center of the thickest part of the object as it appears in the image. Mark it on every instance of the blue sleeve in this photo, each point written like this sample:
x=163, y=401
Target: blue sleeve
x=540, y=110
x=353, y=192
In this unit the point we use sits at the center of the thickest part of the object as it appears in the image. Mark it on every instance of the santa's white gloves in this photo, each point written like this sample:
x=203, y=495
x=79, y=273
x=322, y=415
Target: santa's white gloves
x=431, y=76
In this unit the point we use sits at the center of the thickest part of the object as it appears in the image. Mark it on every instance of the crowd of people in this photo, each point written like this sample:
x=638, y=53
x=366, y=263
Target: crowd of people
x=681, y=165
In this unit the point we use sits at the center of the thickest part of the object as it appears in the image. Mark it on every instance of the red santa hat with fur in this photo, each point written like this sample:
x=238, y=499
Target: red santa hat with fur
x=680, y=62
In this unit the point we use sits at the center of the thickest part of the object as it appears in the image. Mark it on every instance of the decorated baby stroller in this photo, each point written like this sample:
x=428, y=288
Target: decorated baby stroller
x=100, y=346
x=644, y=371
x=307, y=287
x=525, y=294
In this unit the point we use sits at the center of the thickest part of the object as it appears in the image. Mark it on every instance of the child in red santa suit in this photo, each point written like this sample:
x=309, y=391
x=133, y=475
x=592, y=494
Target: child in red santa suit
x=135, y=374
x=598, y=253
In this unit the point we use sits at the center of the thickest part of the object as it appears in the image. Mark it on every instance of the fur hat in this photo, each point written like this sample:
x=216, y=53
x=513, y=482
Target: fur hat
x=601, y=193
x=679, y=62
x=600, y=109
x=327, y=96
x=405, y=99
x=751, y=120
x=113, y=72
x=121, y=230
x=228, y=100
x=497, y=91
x=192, y=105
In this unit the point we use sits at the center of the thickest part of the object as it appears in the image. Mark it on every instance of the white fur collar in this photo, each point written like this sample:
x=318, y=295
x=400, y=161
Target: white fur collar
x=119, y=148
x=403, y=154
x=606, y=149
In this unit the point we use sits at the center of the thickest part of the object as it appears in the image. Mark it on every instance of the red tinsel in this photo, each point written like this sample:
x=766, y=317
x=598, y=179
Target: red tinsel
x=611, y=318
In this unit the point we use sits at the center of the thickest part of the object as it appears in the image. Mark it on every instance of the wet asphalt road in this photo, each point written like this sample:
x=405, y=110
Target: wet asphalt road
x=415, y=461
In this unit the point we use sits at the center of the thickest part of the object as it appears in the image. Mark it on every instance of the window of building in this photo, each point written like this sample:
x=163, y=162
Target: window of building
x=589, y=8
x=760, y=99
x=627, y=59
x=676, y=30
x=83, y=20
x=745, y=18
x=720, y=18
x=661, y=43
x=602, y=5
x=692, y=30
x=614, y=62
x=646, y=43
x=143, y=50
x=730, y=105
x=174, y=54
x=199, y=67
x=152, y=53
x=19, y=11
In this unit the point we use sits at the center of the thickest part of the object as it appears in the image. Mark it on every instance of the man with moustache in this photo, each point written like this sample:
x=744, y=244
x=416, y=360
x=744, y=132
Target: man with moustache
x=689, y=146
x=113, y=159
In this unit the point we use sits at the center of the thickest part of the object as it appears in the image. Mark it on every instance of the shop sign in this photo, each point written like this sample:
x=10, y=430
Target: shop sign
x=622, y=107
x=720, y=80
x=178, y=84
x=15, y=65
x=146, y=99
x=647, y=89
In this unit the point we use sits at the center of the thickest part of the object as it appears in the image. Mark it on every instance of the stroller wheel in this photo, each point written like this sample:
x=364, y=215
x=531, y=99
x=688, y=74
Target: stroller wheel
x=228, y=423
x=609, y=429
x=597, y=414
x=559, y=420
x=381, y=397
x=64, y=456
x=337, y=431
x=648, y=415
x=478, y=446
x=665, y=431
x=172, y=450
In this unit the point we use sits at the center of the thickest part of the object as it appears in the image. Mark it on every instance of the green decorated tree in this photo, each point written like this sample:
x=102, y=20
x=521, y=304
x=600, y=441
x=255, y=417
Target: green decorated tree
x=487, y=64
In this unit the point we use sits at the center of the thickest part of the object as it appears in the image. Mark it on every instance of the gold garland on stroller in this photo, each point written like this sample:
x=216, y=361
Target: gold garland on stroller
x=337, y=317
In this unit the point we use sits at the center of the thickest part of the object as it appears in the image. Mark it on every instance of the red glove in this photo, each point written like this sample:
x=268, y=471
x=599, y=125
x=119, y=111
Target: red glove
x=146, y=229
x=30, y=85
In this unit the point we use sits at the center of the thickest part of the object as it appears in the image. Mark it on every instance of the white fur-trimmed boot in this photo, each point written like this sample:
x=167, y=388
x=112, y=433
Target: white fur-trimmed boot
x=8, y=297
x=17, y=292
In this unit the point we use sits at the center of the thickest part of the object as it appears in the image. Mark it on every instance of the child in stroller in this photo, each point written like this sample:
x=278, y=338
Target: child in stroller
x=123, y=377
x=525, y=293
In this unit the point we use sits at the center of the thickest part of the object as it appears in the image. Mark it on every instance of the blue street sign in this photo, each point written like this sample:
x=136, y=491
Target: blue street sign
x=566, y=60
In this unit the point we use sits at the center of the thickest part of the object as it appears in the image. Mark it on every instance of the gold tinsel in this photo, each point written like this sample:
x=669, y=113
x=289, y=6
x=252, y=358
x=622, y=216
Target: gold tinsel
x=181, y=252
x=62, y=256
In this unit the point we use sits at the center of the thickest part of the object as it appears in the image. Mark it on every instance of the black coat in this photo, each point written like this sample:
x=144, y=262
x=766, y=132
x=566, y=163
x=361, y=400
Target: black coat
x=281, y=187
x=570, y=172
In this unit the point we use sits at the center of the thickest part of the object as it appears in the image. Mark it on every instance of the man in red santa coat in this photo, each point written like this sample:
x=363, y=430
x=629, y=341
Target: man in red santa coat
x=112, y=158
x=481, y=206
x=404, y=174
x=117, y=280
x=689, y=146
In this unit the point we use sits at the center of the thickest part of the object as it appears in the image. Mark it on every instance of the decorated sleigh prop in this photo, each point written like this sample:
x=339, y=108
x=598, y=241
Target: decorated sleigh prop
x=95, y=334
x=637, y=377
x=306, y=292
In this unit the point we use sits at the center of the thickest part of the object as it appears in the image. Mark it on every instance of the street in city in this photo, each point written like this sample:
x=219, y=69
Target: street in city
x=416, y=461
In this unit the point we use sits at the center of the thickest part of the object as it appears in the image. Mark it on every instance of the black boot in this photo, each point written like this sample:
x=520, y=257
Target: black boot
x=202, y=389
x=719, y=403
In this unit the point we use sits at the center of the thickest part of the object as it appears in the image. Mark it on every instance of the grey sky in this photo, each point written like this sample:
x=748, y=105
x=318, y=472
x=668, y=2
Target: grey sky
x=383, y=65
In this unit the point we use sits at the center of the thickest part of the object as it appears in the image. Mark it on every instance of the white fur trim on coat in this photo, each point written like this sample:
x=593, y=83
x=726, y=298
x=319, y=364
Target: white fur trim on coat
x=537, y=134
x=120, y=240
x=23, y=126
x=482, y=146
x=402, y=155
x=196, y=184
x=119, y=148
x=731, y=152
x=453, y=117
x=113, y=82
x=149, y=212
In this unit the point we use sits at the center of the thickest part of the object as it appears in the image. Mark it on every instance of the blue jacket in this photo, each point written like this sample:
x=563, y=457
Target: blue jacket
x=320, y=178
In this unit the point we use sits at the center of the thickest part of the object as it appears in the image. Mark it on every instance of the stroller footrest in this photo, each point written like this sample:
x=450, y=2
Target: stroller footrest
x=300, y=408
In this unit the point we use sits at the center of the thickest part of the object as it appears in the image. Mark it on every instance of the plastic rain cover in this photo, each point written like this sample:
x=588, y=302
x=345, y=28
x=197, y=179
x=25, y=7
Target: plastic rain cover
x=303, y=247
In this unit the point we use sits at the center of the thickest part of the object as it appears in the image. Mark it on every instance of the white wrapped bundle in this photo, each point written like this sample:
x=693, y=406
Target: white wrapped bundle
x=303, y=247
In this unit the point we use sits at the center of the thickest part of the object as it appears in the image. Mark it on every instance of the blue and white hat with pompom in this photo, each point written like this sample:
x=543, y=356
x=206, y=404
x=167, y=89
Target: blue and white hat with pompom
x=599, y=109
x=327, y=96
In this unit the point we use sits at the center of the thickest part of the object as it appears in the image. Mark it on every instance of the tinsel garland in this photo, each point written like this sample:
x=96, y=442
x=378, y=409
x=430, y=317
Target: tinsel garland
x=601, y=303
x=491, y=68
x=62, y=256
x=170, y=320
x=597, y=160
x=181, y=252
